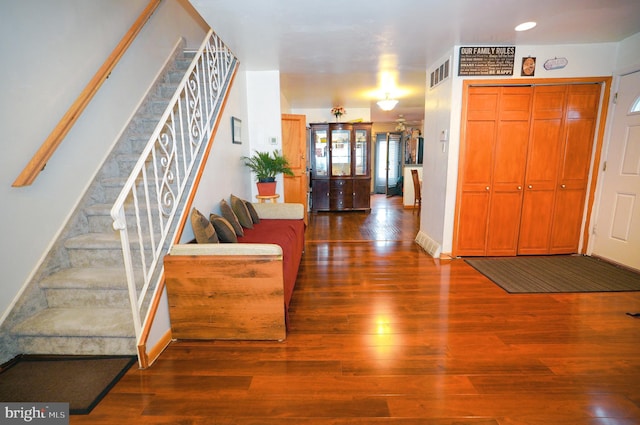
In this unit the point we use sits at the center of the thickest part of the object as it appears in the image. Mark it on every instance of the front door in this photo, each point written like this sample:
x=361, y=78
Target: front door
x=617, y=233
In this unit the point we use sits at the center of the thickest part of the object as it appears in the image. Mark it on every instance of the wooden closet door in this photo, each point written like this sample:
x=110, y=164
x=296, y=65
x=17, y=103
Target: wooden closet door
x=563, y=128
x=492, y=170
x=524, y=169
x=581, y=117
x=543, y=161
x=476, y=162
x=509, y=161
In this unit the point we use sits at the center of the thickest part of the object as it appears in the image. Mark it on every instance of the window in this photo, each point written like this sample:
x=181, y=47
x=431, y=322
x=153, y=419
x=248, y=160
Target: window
x=636, y=107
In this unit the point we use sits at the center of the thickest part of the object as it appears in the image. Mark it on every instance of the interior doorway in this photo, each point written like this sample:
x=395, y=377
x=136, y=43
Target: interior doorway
x=388, y=166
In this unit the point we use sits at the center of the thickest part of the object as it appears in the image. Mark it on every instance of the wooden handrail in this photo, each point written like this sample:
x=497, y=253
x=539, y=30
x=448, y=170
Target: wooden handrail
x=39, y=160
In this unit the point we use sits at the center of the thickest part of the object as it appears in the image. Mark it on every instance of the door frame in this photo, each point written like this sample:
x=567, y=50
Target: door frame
x=376, y=188
x=596, y=152
x=619, y=110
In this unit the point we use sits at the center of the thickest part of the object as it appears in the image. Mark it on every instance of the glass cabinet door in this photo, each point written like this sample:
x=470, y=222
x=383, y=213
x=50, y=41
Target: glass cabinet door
x=321, y=154
x=340, y=152
x=361, y=152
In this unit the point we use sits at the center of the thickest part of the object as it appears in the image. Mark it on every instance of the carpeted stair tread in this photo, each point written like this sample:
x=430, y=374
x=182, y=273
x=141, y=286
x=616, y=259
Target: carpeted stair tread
x=114, y=182
x=98, y=209
x=87, y=278
x=94, y=241
x=103, y=210
x=78, y=322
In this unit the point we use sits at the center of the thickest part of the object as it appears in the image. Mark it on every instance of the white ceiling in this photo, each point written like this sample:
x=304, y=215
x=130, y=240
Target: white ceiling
x=335, y=52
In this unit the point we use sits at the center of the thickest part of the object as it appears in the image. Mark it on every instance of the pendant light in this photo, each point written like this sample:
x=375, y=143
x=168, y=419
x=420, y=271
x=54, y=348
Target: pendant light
x=387, y=104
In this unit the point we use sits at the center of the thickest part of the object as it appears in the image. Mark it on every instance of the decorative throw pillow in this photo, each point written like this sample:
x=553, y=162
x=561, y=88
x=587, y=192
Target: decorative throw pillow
x=224, y=229
x=202, y=228
x=252, y=212
x=228, y=213
x=240, y=209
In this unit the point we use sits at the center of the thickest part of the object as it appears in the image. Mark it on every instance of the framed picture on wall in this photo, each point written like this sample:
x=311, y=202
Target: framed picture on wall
x=236, y=130
x=528, y=67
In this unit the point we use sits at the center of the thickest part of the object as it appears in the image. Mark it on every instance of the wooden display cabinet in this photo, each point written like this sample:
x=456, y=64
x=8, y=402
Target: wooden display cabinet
x=340, y=166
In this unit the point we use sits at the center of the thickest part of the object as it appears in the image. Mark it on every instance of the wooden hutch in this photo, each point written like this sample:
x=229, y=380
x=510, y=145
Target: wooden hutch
x=340, y=166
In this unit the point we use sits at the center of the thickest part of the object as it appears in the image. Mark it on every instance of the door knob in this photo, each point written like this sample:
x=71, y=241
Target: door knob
x=530, y=186
x=486, y=188
x=562, y=186
x=519, y=187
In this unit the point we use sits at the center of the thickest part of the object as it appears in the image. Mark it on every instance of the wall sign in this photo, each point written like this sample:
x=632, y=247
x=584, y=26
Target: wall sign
x=555, y=63
x=481, y=60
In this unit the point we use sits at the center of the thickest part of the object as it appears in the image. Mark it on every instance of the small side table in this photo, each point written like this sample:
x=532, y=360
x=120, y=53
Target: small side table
x=264, y=198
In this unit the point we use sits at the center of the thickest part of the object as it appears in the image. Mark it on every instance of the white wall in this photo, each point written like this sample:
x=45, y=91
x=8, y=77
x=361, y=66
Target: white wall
x=263, y=112
x=285, y=107
x=628, y=59
x=436, y=154
x=438, y=210
x=225, y=172
x=51, y=50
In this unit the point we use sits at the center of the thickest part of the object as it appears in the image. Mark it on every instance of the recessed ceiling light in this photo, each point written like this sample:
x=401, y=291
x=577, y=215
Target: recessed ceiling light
x=526, y=26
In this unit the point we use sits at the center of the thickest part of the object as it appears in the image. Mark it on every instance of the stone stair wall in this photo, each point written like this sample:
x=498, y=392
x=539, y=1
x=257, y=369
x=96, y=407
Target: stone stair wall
x=78, y=301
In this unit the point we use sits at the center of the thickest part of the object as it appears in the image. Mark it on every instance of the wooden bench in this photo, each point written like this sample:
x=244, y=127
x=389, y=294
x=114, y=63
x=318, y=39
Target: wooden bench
x=229, y=291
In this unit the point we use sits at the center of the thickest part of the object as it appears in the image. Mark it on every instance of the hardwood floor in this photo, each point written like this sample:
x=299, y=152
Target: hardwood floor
x=381, y=333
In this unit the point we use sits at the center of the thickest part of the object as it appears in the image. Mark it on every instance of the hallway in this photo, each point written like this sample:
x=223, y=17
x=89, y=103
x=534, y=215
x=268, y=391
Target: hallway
x=381, y=333
x=388, y=220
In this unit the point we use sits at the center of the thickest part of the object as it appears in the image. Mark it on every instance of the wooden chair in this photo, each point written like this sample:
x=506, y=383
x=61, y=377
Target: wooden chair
x=417, y=193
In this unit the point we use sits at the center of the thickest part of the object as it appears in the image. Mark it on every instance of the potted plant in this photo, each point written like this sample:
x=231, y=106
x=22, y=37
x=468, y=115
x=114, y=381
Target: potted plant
x=266, y=166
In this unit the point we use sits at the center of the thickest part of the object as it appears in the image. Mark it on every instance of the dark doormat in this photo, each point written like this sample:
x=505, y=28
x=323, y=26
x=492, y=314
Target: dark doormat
x=81, y=381
x=556, y=273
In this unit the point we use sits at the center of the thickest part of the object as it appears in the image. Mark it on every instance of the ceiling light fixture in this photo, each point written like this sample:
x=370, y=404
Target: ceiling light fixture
x=387, y=104
x=526, y=26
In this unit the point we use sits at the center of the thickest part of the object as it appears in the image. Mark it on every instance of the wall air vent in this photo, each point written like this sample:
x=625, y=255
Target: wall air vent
x=440, y=74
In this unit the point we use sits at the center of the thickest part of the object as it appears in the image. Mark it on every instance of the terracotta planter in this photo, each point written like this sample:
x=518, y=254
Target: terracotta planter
x=266, y=188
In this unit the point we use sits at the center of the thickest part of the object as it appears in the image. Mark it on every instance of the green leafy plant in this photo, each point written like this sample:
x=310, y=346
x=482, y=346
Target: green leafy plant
x=267, y=165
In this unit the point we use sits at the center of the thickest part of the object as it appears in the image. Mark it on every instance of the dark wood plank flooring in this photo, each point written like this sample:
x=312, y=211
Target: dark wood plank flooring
x=381, y=333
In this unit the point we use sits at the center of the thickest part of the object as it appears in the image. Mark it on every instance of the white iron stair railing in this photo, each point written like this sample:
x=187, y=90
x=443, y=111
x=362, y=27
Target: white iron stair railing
x=148, y=204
